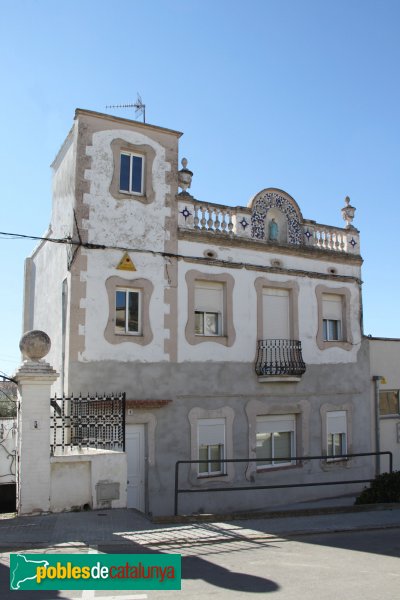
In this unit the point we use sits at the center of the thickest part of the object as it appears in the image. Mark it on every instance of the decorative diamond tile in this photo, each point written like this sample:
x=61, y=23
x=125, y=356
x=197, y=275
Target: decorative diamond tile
x=185, y=212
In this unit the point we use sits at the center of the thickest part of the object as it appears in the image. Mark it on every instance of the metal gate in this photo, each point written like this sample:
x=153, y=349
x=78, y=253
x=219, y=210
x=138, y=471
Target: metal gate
x=88, y=422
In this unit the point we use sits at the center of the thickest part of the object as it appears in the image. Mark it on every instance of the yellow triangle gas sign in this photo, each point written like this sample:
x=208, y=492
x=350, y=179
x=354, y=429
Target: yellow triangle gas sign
x=126, y=264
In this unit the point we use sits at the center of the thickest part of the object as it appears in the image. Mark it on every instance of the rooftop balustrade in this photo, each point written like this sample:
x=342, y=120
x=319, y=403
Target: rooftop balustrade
x=238, y=223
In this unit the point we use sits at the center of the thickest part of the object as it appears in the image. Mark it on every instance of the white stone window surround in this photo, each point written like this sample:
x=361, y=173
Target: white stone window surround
x=145, y=287
x=196, y=414
x=346, y=341
x=228, y=334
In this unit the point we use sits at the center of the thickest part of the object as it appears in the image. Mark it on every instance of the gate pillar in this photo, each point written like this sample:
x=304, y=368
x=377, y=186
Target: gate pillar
x=35, y=378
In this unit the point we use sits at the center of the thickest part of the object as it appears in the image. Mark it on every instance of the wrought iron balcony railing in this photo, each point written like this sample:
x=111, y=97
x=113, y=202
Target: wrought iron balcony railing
x=279, y=357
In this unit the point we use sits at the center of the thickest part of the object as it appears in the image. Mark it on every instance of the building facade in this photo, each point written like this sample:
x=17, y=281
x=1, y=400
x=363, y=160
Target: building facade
x=385, y=373
x=235, y=332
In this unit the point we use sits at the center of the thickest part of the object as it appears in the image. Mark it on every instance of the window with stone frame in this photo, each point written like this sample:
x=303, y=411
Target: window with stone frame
x=335, y=327
x=336, y=432
x=128, y=311
x=332, y=317
x=131, y=174
x=211, y=447
x=209, y=308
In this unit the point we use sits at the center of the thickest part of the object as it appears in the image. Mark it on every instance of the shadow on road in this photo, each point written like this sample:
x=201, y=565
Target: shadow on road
x=7, y=594
x=196, y=568
x=385, y=541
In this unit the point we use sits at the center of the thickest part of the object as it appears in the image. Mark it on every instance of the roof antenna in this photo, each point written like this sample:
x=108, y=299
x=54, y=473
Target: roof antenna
x=140, y=108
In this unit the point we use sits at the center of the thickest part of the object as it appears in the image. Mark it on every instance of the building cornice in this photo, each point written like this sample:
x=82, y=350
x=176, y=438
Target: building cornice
x=137, y=124
x=311, y=252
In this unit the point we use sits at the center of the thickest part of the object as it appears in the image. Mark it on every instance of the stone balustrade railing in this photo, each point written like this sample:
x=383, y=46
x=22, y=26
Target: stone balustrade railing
x=236, y=222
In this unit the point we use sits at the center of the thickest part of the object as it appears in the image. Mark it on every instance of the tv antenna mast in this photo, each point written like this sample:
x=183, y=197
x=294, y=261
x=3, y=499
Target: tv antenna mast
x=140, y=108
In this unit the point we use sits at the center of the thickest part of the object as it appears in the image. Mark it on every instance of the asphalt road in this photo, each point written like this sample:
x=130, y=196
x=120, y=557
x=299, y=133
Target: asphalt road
x=238, y=560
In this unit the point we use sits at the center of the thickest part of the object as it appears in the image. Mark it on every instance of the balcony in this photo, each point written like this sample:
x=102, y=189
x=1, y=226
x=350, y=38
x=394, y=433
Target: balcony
x=279, y=360
x=240, y=223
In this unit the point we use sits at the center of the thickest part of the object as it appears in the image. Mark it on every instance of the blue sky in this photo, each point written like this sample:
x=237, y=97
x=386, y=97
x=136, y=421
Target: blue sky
x=302, y=95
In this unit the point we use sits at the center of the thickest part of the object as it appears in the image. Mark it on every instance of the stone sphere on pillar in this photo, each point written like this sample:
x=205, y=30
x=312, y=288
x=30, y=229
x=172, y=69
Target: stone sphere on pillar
x=35, y=344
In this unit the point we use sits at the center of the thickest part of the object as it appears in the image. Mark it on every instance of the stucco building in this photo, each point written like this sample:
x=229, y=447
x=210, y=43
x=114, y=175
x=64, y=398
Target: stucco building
x=235, y=332
x=385, y=374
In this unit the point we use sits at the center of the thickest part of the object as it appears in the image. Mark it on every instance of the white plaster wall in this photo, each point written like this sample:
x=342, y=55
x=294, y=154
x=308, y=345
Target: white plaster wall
x=64, y=169
x=245, y=318
x=110, y=467
x=101, y=266
x=385, y=361
x=125, y=222
x=263, y=257
x=74, y=478
x=50, y=269
x=70, y=485
x=33, y=476
x=390, y=440
x=50, y=259
x=8, y=446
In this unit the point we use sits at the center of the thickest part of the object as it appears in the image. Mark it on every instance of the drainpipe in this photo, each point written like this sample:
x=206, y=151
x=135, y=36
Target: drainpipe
x=377, y=379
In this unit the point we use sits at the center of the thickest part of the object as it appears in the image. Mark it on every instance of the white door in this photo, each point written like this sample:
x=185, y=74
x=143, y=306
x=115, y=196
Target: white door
x=276, y=314
x=134, y=446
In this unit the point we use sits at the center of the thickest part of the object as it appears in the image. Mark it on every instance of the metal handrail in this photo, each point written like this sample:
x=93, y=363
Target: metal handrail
x=325, y=457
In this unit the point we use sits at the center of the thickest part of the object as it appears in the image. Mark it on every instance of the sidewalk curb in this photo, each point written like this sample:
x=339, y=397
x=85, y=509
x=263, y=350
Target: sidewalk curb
x=301, y=512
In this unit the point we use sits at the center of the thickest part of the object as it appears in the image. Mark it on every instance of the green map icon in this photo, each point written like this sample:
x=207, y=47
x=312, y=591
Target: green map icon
x=23, y=569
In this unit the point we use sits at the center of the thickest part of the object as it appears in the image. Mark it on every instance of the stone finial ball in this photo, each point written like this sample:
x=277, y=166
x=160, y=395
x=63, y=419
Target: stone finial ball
x=35, y=344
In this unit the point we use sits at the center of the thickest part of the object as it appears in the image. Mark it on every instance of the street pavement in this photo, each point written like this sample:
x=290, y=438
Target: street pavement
x=229, y=558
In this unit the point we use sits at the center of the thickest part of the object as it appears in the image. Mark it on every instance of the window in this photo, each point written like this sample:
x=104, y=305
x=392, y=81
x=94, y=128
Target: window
x=211, y=445
x=129, y=302
x=275, y=440
x=128, y=311
x=332, y=311
x=338, y=316
x=336, y=429
x=209, y=301
x=210, y=308
x=389, y=402
x=131, y=176
x=276, y=311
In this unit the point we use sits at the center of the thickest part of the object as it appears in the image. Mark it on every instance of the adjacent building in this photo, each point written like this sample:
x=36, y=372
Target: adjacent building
x=385, y=373
x=235, y=332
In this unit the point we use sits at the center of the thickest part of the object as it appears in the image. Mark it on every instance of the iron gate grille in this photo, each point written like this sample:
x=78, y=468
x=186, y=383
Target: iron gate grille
x=88, y=422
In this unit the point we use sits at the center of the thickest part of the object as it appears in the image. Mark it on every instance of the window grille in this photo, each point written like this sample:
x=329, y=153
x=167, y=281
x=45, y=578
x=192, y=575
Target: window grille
x=88, y=422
